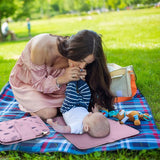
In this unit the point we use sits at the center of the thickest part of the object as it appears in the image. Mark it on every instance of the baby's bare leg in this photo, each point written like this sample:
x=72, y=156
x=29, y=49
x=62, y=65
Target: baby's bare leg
x=59, y=128
x=46, y=113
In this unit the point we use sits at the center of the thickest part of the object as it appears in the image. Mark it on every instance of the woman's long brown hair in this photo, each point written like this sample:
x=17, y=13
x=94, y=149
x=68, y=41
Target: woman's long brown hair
x=77, y=48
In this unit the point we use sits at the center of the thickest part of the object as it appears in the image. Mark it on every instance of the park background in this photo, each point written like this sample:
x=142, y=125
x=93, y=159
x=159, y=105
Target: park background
x=131, y=36
x=18, y=10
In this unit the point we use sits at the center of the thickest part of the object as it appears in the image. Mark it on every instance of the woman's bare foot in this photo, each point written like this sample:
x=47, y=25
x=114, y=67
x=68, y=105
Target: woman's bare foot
x=33, y=114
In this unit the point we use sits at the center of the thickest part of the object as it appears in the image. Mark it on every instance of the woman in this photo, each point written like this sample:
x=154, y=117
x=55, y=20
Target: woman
x=40, y=75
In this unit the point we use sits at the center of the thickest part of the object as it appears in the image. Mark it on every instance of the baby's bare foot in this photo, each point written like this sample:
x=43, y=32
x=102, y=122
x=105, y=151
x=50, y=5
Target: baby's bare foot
x=49, y=121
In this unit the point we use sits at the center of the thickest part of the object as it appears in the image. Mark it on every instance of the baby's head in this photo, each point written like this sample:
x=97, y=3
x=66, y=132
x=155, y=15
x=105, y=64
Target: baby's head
x=96, y=125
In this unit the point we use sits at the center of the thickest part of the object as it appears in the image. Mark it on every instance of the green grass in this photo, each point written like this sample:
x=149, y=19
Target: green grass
x=129, y=37
x=118, y=155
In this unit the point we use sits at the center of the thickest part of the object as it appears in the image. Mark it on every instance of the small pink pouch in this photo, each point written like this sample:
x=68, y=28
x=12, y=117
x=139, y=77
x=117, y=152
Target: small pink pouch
x=17, y=130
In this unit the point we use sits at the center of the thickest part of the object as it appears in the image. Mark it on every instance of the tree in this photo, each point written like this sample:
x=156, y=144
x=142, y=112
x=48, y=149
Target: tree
x=149, y=1
x=23, y=9
x=7, y=8
x=113, y=4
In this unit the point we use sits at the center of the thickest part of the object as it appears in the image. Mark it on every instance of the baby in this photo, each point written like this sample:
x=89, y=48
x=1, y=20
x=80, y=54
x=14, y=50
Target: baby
x=75, y=113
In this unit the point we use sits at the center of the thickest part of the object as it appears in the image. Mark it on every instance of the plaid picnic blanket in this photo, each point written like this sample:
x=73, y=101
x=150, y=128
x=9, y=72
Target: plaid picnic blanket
x=148, y=138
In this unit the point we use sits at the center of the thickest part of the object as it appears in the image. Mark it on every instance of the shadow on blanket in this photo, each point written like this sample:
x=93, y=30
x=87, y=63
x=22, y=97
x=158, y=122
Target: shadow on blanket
x=148, y=137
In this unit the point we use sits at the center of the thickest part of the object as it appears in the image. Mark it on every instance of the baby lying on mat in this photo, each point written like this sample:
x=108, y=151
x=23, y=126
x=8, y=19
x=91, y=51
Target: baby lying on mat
x=75, y=113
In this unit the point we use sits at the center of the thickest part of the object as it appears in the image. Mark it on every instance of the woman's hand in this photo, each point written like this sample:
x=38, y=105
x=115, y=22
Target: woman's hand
x=96, y=108
x=71, y=74
x=83, y=74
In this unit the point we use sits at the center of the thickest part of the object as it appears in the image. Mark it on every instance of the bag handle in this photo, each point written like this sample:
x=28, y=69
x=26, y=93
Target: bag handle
x=118, y=72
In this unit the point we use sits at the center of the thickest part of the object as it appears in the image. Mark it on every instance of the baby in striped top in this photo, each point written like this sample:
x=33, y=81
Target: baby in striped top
x=75, y=113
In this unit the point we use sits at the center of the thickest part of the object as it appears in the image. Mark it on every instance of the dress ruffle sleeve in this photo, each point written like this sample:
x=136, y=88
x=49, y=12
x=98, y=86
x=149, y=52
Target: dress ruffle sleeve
x=45, y=82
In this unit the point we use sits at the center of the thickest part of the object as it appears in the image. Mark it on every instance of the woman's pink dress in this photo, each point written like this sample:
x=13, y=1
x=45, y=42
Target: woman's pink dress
x=34, y=86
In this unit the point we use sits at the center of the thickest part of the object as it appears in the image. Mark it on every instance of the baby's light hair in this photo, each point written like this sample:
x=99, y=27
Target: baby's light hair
x=100, y=127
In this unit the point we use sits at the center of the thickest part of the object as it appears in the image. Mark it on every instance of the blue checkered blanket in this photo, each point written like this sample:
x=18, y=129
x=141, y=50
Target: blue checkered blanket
x=148, y=138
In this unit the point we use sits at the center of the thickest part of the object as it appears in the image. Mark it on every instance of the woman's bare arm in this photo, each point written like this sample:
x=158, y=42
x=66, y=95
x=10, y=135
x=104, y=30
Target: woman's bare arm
x=40, y=48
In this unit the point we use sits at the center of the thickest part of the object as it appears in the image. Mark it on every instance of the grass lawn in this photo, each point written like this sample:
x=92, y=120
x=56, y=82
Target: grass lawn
x=129, y=37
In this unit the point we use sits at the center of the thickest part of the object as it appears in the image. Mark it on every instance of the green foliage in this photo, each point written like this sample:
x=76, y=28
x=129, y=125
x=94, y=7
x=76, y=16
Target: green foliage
x=6, y=8
x=129, y=37
x=113, y=4
x=24, y=8
x=49, y=8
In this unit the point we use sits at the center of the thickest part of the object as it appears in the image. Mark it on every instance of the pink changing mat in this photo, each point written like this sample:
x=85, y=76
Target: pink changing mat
x=85, y=141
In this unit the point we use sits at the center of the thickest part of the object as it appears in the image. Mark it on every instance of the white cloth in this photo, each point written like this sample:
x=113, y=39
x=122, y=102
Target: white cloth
x=4, y=28
x=74, y=118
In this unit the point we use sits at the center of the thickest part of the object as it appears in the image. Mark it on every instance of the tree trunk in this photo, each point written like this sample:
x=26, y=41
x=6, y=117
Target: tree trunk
x=1, y=38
